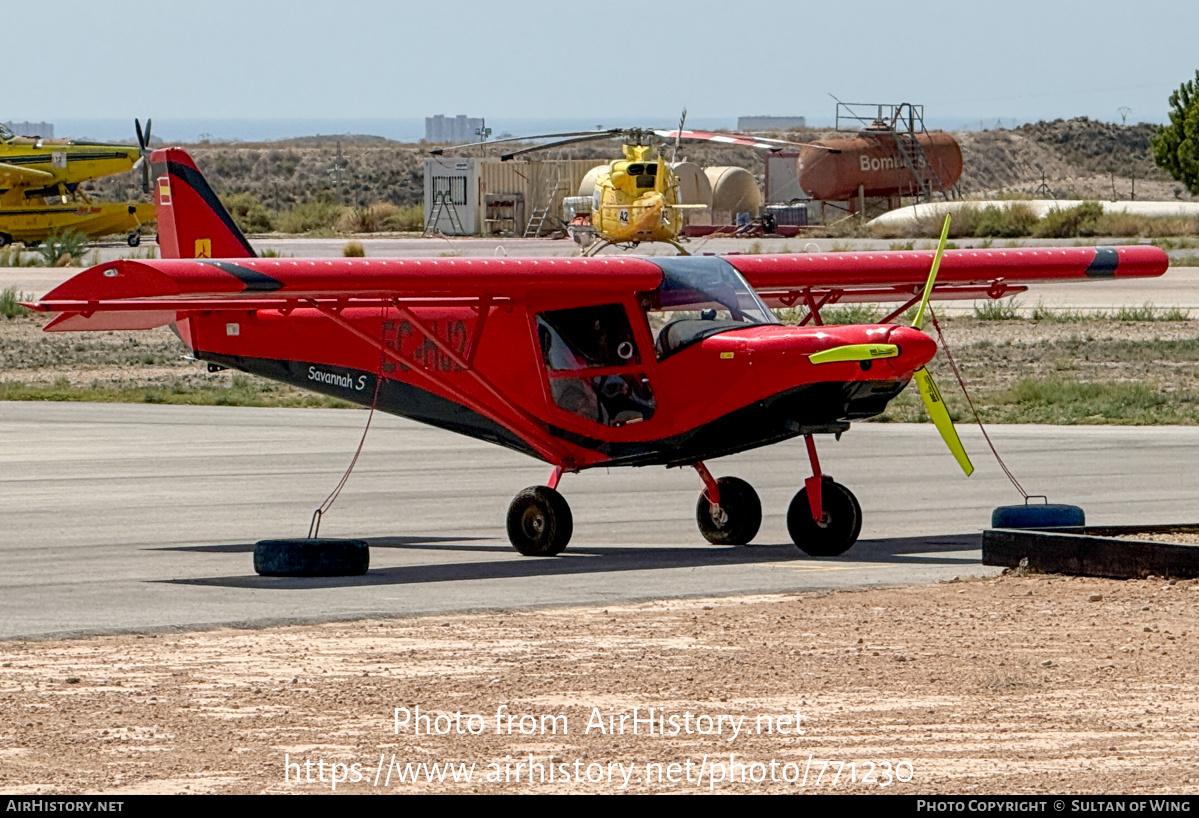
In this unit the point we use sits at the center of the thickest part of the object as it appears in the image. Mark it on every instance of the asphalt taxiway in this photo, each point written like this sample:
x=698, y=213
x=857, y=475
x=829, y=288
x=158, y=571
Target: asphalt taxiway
x=142, y=517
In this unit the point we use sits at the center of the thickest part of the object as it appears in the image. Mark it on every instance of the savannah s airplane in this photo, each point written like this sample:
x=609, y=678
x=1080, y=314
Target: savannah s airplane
x=579, y=362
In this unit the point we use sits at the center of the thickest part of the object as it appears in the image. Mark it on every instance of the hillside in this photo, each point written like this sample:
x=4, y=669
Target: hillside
x=1078, y=158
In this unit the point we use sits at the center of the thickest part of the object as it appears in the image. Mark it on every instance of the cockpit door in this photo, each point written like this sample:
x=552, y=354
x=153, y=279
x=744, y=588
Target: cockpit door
x=596, y=365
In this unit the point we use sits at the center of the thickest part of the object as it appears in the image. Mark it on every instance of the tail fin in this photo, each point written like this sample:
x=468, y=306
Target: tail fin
x=192, y=222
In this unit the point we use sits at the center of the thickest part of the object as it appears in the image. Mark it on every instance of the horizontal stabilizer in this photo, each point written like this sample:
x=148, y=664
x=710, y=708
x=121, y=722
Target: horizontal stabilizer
x=78, y=322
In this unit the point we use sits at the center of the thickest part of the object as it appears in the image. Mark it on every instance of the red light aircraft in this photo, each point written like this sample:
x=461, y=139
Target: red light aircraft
x=580, y=362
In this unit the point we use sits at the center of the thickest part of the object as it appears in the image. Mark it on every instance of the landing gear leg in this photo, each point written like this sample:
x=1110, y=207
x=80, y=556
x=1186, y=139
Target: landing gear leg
x=824, y=518
x=539, y=520
x=729, y=511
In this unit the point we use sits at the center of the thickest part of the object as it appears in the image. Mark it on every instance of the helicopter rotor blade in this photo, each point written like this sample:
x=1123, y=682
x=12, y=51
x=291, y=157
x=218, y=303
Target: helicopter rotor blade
x=679, y=138
x=504, y=157
x=608, y=134
x=745, y=140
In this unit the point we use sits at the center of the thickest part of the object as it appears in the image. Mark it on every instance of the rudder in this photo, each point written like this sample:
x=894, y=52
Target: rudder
x=192, y=222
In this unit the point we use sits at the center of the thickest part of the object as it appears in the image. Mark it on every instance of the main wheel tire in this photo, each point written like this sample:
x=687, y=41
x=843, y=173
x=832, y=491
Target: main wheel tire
x=311, y=558
x=133, y=239
x=5, y=239
x=539, y=522
x=739, y=517
x=839, y=529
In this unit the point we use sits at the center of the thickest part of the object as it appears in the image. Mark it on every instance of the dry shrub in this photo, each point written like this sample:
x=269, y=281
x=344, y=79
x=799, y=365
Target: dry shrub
x=318, y=214
x=1080, y=220
x=353, y=249
x=407, y=219
x=1008, y=222
x=380, y=216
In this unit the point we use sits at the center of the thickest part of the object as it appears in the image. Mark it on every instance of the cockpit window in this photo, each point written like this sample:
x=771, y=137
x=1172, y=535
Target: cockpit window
x=5, y=133
x=586, y=337
x=577, y=342
x=700, y=297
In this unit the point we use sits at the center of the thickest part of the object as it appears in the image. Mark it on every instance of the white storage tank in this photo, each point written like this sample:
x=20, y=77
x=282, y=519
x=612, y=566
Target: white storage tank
x=734, y=191
x=587, y=186
x=694, y=188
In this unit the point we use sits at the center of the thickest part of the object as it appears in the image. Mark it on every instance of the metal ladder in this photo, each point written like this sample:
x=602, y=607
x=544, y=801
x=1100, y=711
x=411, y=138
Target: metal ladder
x=542, y=213
x=442, y=203
x=928, y=181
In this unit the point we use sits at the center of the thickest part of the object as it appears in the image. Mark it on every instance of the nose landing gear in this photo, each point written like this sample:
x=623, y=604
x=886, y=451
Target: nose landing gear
x=729, y=511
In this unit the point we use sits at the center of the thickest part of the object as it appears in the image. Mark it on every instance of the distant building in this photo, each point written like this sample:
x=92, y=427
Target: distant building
x=460, y=128
x=770, y=123
x=43, y=129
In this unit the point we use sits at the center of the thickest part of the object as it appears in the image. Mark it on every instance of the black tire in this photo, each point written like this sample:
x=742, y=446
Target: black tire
x=5, y=239
x=539, y=522
x=836, y=533
x=311, y=558
x=742, y=513
x=133, y=239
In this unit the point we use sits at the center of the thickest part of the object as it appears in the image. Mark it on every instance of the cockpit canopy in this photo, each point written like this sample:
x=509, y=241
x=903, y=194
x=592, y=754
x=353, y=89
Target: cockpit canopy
x=700, y=297
x=5, y=133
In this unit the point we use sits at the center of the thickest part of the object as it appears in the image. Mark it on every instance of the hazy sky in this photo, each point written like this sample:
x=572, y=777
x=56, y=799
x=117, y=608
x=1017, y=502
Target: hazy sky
x=369, y=59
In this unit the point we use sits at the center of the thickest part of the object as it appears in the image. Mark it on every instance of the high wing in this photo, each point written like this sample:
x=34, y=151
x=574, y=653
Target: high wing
x=143, y=294
x=15, y=175
x=815, y=280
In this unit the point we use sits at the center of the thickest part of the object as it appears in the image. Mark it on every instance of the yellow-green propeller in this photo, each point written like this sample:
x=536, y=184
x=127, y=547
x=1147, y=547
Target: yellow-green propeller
x=933, y=403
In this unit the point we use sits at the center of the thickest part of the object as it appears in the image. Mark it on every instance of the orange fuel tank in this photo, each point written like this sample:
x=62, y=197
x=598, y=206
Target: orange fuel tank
x=872, y=160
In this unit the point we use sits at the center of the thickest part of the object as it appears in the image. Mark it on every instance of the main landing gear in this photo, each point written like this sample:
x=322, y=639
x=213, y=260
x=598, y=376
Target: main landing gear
x=824, y=518
x=539, y=520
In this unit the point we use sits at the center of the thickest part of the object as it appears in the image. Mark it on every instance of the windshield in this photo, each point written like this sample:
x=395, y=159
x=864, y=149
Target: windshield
x=700, y=297
x=5, y=133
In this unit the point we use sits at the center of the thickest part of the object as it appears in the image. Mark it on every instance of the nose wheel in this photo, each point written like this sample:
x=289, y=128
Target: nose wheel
x=539, y=522
x=839, y=524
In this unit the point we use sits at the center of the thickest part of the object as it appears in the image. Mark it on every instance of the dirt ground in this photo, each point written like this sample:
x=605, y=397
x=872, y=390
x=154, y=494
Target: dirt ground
x=1015, y=684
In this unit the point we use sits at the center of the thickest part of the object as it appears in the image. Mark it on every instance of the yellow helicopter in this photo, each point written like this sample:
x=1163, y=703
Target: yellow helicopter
x=637, y=199
x=41, y=187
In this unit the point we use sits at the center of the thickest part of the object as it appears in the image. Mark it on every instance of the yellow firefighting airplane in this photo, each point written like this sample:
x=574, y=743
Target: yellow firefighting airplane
x=41, y=188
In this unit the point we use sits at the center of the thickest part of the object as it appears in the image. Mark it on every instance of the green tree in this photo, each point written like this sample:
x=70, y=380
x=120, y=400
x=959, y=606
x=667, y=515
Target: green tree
x=1176, y=146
